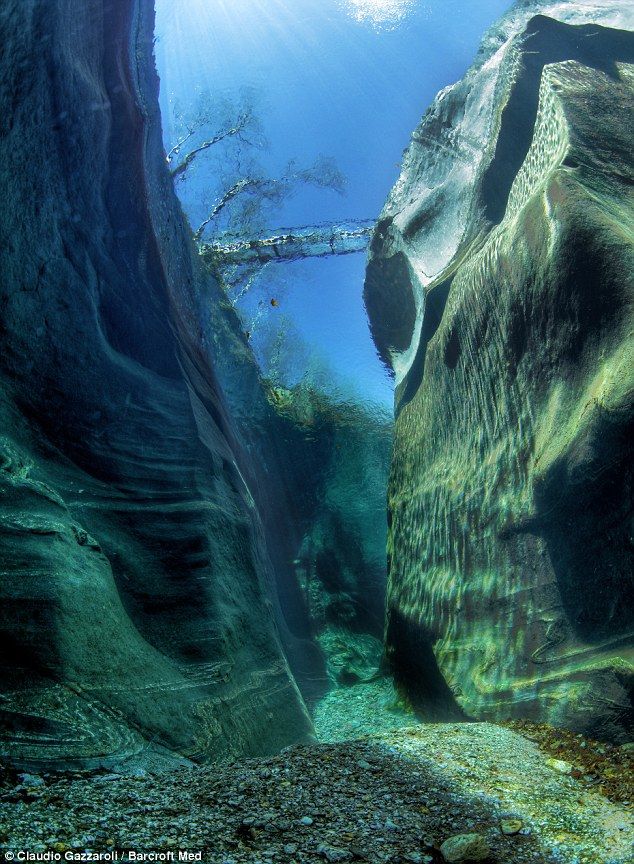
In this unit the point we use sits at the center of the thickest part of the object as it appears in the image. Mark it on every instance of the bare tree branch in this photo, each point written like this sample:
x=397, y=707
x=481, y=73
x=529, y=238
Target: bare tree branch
x=177, y=147
x=236, y=189
x=226, y=133
x=246, y=195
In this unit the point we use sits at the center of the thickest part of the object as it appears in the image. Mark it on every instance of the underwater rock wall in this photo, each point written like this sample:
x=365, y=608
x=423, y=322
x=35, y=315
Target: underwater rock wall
x=340, y=562
x=136, y=612
x=499, y=288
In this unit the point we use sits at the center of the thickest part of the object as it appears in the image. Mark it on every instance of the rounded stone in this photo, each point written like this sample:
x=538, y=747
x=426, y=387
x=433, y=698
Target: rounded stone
x=511, y=826
x=559, y=765
x=465, y=847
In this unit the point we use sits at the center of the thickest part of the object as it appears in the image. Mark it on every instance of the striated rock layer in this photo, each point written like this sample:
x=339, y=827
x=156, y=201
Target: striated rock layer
x=136, y=588
x=499, y=288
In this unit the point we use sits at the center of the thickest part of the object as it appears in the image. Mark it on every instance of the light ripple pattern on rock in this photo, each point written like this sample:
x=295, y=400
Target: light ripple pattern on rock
x=499, y=287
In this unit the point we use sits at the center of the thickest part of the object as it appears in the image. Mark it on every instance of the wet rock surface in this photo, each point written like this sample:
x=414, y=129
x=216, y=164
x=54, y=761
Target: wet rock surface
x=397, y=797
x=465, y=847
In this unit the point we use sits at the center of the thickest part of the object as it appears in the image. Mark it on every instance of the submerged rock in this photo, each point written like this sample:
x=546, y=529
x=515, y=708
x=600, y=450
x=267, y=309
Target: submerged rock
x=511, y=826
x=499, y=288
x=136, y=589
x=465, y=847
x=560, y=766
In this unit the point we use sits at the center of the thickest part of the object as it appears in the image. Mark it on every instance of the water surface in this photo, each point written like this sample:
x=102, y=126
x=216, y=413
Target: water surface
x=348, y=79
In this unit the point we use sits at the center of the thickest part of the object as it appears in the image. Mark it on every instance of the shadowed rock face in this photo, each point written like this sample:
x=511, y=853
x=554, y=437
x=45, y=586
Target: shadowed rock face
x=135, y=613
x=510, y=544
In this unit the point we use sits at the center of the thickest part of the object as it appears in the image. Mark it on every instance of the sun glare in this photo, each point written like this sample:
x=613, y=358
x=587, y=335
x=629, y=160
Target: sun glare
x=380, y=13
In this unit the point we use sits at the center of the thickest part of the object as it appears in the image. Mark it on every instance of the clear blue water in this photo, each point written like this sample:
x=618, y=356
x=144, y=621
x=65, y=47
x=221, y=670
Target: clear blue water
x=344, y=78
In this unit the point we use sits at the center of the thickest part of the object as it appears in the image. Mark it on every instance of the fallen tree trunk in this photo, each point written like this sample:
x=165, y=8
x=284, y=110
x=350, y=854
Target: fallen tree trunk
x=294, y=244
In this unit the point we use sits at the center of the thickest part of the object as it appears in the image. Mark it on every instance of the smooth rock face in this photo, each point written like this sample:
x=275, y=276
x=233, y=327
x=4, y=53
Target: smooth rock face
x=326, y=540
x=135, y=583
x=340, y=562
x=510, y=544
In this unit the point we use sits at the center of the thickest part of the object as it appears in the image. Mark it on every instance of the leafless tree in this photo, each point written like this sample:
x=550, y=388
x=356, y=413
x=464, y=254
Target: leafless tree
x=208, y=124
x=246, y=191
x=234, y=238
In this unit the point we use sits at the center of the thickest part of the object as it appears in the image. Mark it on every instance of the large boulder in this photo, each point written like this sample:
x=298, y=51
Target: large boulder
x=499, y=289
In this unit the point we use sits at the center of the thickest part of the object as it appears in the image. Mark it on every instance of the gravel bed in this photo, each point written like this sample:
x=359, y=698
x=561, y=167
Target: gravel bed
x=363, y=709
x=394, y=797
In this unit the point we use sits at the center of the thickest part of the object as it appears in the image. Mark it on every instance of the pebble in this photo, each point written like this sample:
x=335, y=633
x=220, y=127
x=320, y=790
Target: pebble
x=559, y=765
x=511, y=826
x=30, y=781
x=332, y=854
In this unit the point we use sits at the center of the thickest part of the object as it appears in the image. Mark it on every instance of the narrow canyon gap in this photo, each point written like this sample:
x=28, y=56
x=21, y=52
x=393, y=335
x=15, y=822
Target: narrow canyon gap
x=163, y=507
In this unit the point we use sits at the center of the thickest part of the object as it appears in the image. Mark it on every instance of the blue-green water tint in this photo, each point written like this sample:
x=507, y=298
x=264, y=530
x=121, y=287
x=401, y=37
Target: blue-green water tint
x=344, y=78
